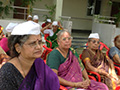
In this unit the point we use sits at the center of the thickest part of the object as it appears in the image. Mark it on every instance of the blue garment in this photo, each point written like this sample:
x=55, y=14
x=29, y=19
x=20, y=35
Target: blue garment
x=113, y=51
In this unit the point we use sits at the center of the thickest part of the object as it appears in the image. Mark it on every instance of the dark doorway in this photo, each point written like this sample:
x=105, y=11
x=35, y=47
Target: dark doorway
x=115, y=8
x=94, y=7
x=19, y=12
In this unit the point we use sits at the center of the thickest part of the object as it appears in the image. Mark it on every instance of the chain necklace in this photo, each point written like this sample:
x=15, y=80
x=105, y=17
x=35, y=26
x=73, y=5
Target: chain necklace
x=21, y=68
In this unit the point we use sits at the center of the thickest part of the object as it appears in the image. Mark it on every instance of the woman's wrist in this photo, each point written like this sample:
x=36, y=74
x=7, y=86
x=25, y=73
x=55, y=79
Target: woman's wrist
x=74, y=85
x=99, y=71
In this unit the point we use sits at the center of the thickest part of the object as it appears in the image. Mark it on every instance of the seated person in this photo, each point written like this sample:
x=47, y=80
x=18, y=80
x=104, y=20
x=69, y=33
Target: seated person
x=35, y=18
x=46, y=23
x=10, y=27
x=3, y=41
x=3, y=57
x=56, y=28
x=95, y=60
x=46, y=26
x=46, y=29
x=65, y=62
x=114, y=52
x=26, y=70
x=29, y=18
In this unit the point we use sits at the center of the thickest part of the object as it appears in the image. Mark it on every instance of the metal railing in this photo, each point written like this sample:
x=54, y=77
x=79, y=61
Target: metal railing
x=78, y=18
x=104, y=19
x=39, y=12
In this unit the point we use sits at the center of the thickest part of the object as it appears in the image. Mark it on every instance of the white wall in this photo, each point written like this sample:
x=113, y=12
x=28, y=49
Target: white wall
x=107, y=32
x=78, y=8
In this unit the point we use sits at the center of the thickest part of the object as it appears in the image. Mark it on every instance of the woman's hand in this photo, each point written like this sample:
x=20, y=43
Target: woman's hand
x=83, y=84
x=103, y=72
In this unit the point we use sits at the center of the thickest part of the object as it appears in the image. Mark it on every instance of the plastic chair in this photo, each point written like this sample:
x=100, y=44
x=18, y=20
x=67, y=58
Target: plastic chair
x=102, y=45
x=62, y=87
x=117, y=88
x=48, y=50
x=45, y=37
x=45, y=52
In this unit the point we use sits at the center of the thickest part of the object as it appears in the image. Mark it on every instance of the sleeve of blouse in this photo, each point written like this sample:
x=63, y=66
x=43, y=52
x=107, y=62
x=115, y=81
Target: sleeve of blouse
x=113, y=51
x=85, y=55
x=53, y=60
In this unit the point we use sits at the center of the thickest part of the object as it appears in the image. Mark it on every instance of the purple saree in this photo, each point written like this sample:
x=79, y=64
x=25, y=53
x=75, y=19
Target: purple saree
x=40, y=77
x=71, y=70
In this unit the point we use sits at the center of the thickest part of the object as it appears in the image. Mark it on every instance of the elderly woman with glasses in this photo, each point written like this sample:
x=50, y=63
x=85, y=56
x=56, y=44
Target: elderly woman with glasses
x=25, y=70
x=65, y=62
x=95, y=60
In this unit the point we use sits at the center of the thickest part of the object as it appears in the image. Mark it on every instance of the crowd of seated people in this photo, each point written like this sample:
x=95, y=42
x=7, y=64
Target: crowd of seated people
x=26, y=70
x=64, y=66
x=65, y=62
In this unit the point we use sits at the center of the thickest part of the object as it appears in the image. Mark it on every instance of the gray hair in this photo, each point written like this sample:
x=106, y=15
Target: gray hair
x=13, y=40
x=61, y=32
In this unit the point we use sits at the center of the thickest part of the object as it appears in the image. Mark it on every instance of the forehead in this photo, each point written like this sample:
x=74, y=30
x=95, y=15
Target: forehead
x=65, y=34
x=34, y=37
x=54, y=26
x=95, y=39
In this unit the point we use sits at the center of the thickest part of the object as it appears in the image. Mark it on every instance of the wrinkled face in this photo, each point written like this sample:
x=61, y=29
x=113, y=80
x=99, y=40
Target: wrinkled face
x=32, y=48
x=65, y=41
x=93, y=44
x=117, y=43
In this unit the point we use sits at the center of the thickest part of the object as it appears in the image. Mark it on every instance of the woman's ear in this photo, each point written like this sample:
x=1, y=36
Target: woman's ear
x=18, y=48
x=58, y=41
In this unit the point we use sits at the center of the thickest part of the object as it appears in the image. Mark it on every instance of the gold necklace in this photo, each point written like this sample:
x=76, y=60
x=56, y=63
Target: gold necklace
x=21, y=68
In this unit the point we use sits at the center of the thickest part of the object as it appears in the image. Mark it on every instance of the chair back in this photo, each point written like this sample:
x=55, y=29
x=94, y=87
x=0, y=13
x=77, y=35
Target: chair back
x=45, y=37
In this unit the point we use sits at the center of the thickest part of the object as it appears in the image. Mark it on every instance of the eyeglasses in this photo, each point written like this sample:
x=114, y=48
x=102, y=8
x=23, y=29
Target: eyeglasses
x=65, y=38
x=35, y=43
x=94, y=41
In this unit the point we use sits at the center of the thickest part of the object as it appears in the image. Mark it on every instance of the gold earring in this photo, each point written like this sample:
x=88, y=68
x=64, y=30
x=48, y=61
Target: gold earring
x=18, y=51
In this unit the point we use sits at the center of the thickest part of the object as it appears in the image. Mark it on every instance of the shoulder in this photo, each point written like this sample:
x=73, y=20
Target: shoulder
x=43, y=25
x=53, y=55
x=113, y=51
x=6, y=70
x=114, y=48
x=54, y=52
x=10, y=78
